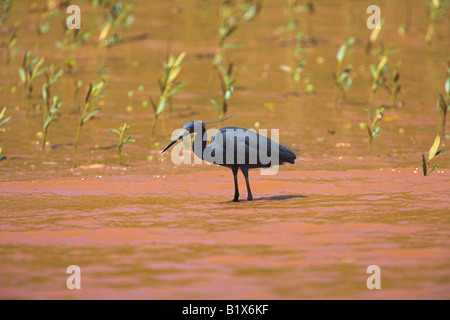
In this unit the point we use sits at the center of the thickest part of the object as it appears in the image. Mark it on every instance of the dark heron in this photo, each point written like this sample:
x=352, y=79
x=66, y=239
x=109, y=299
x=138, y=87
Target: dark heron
x=235, y=148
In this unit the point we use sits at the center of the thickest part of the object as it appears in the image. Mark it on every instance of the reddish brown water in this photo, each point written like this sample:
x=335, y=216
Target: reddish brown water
x=154, y=230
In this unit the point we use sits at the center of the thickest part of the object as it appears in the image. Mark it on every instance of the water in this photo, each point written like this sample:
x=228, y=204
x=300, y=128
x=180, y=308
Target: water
x=154, y=230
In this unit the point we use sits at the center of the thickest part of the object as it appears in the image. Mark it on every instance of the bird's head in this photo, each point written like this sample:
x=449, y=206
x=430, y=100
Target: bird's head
x=188, y=128
x=192, y=127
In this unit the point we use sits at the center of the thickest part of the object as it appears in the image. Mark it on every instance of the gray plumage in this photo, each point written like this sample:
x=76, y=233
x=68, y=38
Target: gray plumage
x=235, y=148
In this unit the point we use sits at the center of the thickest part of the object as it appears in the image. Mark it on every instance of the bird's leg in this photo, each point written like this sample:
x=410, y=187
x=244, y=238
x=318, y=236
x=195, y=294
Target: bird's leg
x=244, y=170
x=236, y=188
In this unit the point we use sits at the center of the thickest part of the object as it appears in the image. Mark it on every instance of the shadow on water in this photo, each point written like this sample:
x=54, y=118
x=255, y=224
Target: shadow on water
x=283, y=197
x=272, y=198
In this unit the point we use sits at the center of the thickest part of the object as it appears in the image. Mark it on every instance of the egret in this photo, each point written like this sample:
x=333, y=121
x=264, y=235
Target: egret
x=235, y=148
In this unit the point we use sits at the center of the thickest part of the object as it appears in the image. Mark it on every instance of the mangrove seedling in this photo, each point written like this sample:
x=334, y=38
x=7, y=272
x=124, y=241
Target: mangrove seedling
x=122, y=139
x=437, y=13
x=78, y=84
x=230, y=16
x=443, y=104
x=168, y=86
x=49, y=119
x=73, y=38
x=28, y=73
x=291, y=22
x=52, y=74
x=372, y=128
x=44, y=25
x=118, y=18
x=93, y=94
x=342, y=78
x=228, y=27
x=295, y=73
x=5, y=6
x=374, y=35
x=394, y=86
x=309, y=7
x=431, y=154
x=379, y=77
x=11, y=53
x=2, y=122
x=300, y=63
x=292, y=7
x=227, y=81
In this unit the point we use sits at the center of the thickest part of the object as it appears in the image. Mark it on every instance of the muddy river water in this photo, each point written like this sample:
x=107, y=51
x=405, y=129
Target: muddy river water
x=150, y=229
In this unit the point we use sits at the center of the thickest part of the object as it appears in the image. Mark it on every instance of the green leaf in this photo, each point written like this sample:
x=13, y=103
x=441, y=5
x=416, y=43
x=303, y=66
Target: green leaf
x=447, y=86
x=222, y=70
x=38, y=65
x=230, y=31
x=57, y=76
x=345, y=73
x=128, y=139
x=228, y=93
x=233, y=45
x=38, y=73
x=424, y=166
x=341, y=53
x=216, y=105
x=348, y=84
x=218, y=59
x=115, y=131
x=89, y=92
x=251, y=12
x=350, y=42
x=434, y=148
x=286, y=68
x=300, y=66
x=375, y=131
x=382, y=64
x=373, y=70
x=47, y=121
x=161, y=106
x=434, y=168
x=176, y=89
x=440, y=151
x=98, y=97
x=4, y=121
x=173, y=74
x=380, y=83
x=44, y=28
x=22, y=75
x=44, y=91
x=90, y=115
x=369, y=131
x=33, y=62
x=179, y=60
x=55, y=108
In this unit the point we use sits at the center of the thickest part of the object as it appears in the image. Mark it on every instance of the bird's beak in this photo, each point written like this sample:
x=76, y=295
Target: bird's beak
x=182, y=134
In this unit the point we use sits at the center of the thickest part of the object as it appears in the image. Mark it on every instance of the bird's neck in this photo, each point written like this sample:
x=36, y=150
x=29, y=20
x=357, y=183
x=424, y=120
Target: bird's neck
x=199, y=144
